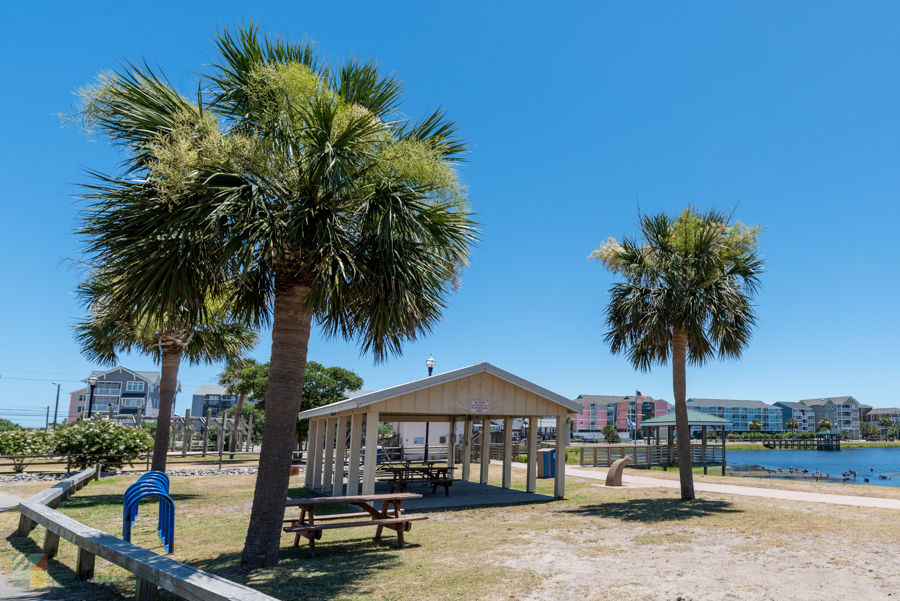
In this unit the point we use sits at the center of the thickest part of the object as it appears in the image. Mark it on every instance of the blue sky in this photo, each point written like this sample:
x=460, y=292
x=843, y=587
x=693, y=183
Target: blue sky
x=574, y=115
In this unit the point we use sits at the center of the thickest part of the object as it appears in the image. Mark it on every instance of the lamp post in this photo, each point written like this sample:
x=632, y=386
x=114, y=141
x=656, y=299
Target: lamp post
x=92, y=382
x=56, y=409
x=430, y=364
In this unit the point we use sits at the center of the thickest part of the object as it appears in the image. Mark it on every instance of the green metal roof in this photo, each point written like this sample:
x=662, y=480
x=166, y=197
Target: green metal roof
x=695, y=418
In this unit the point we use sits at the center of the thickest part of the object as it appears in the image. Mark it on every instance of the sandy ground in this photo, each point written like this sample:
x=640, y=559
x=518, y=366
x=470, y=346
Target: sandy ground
x=612, y=566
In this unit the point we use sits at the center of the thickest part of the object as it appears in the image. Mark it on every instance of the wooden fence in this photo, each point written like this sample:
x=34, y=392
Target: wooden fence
x=649, y=455
x=152, y=571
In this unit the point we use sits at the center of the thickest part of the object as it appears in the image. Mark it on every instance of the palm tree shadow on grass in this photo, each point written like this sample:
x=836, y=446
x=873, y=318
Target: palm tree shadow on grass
x=338, y=568
x=650, y=511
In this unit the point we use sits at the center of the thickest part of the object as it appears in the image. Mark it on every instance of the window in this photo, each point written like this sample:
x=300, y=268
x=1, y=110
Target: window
x=132, y=402
x=134, y=386
x=212, y=397
x=80, y=398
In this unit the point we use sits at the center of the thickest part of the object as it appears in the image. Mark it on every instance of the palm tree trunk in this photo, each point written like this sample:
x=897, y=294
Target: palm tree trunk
x=168, y=382
x=284, y=395
x=232, y=444
x=682, y=428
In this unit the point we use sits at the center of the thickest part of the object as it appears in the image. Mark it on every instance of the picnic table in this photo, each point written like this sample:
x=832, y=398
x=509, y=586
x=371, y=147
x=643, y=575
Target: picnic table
x=433, y=475
x=390, y=516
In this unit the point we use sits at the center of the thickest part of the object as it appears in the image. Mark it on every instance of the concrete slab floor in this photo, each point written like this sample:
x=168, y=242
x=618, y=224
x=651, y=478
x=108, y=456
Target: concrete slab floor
x=463, y=495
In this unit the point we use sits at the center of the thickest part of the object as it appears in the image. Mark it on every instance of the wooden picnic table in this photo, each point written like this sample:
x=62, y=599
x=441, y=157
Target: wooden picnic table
x=435, y=476
x=390, y=516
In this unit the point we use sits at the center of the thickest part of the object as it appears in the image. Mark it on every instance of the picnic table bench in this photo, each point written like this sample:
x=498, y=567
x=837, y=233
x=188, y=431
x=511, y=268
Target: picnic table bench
x=435, y=476
x=391, y=516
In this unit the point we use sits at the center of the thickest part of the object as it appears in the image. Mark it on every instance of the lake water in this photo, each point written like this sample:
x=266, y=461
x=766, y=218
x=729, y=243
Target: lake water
x=885, y=461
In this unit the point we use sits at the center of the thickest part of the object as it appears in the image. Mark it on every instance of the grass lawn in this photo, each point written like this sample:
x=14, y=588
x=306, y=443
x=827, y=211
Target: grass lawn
x=597, y=544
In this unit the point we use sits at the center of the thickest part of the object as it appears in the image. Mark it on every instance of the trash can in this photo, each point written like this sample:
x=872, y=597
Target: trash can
x=546, y=466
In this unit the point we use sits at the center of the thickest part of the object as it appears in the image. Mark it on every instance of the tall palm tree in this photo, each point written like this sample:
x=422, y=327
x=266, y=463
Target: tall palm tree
x=886, y=424
x=792, y=424
x=311, y=188
x=103, y=335
x=231, y=379
x=824, y=425
x=689, y=282
x=755, y=425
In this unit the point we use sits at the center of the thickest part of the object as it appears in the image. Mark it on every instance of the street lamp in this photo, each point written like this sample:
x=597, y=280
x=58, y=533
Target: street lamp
x=56, y=410
x=92, y=381
x=430, y=363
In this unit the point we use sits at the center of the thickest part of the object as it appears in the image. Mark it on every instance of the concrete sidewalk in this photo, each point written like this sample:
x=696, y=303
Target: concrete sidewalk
x=733, y=489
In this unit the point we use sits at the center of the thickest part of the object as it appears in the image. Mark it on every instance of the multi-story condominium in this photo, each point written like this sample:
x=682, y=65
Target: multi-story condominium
x=842, y=411
x=804, y=415
x=124, y=389
x=863, y=410
x=875, y=415
x=76, y=404
x=213, y=398
x=600, y=411
x=741, y=413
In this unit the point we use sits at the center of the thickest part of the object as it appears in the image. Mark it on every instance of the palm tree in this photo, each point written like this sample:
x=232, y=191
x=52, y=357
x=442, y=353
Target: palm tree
x=103, y=335
x=689, y=282
x=755, y=425
x=824, y=425
x=792, y=424
x=308, y=185
x=886, y=423
x=231, y=379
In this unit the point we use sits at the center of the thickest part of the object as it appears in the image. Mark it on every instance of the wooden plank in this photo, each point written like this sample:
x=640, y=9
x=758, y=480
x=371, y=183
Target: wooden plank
x=144, y=590
x=84, y=566
x=371, y=454
x=315, y=501
x=380, y=523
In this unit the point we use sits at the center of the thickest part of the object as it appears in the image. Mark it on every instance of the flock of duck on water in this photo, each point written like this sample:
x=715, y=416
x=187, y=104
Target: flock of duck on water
x=819, y=476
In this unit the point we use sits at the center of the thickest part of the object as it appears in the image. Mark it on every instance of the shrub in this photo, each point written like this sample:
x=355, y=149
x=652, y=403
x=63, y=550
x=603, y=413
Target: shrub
x=25, y=442
x=109, y=443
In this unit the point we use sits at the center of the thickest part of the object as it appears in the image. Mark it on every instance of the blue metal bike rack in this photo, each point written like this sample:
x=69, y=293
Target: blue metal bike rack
x=151, y=484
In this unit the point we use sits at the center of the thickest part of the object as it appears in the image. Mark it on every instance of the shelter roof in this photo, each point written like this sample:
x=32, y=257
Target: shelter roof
x=438, y=380
x=695, y=418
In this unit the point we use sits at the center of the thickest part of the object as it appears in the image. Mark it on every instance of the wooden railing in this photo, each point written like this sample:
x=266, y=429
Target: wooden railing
x=152, y=571
x=649, y=455
x=496, y=452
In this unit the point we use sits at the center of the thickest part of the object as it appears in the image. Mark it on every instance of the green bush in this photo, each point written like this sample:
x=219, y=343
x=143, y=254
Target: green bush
x=25, y=442
x=109, y=443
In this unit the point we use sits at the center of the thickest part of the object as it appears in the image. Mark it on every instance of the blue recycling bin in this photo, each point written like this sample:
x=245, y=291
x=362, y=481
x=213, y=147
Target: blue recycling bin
x=546, y=463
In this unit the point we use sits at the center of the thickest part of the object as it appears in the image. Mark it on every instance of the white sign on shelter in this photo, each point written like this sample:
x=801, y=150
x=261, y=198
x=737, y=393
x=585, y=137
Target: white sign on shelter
x=479, y=406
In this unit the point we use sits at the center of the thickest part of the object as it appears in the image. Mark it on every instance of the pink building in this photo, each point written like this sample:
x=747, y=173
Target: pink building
x=76, y=405
x=600, y=411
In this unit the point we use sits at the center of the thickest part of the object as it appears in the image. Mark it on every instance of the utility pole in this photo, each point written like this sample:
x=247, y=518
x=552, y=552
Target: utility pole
x=47, y=423
x=56, y=409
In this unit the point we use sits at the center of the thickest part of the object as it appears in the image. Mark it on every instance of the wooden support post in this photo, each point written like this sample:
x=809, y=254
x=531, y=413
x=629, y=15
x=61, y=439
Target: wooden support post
x=703, y=447
x=84, y=569
x=206, y=430
x=51, y=544
x=723, y=451
x=111, y=414
x=559, y=488
x=174, y=432
x=138, y=418
x=97, y=471
x=371, y=459
x=220, y=438
x=24, y=526
x=186, y=442
x=311, y=452
x=531, y=470
x=507, y=452
x=467, y=448
x=340, y=453
x=451, y=445
x=320, y=451
x=144, y=590
x=328, y=465
x=250, y=434
x=485, y=448
x=353, y=462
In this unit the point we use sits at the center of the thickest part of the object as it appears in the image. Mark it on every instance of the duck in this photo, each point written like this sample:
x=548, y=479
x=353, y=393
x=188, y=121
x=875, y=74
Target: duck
x=883, y=477
x=805, y=471
x=865, y=479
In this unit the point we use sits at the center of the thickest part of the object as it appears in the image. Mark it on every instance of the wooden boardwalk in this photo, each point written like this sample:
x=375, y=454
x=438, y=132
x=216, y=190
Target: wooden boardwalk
x=643, y=455
x=805, y=444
